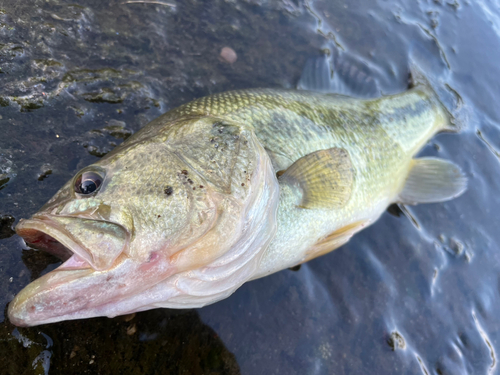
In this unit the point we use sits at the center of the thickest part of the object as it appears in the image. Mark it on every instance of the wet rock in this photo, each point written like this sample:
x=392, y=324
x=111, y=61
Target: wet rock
x=131, y=330
x=97, y=150
x=456, y=246
x=45, y=171
x=104, y=95
x=6, y=229
x=117, y=129
x=101, y=141
x=3, y=180
x=396, y=341
x=173, y=341
x=6, y=170
x=29, y=104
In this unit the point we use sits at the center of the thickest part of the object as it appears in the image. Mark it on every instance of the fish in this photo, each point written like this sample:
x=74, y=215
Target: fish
x=230, y=188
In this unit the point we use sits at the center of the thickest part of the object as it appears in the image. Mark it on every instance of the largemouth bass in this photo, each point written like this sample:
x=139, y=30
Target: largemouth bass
x=226, y=189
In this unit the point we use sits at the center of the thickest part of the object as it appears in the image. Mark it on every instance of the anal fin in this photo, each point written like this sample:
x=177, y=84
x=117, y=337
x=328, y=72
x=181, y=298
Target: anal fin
x=432, y=180
x=325, y=178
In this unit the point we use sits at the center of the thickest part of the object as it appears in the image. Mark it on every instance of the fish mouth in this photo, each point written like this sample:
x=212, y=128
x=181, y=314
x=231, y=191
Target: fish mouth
x=43, y=236
x=92, y=251
x=79, y=242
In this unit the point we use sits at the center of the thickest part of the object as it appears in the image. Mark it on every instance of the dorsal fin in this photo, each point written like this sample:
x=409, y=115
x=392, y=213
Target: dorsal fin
x=345, y=76
x=325, y=178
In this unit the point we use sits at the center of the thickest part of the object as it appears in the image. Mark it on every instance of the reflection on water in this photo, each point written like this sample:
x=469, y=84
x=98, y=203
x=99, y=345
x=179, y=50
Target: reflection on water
x=398, y=298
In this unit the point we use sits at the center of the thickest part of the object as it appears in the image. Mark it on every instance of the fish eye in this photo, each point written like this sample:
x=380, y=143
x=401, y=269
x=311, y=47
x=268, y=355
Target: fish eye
x=88, y=183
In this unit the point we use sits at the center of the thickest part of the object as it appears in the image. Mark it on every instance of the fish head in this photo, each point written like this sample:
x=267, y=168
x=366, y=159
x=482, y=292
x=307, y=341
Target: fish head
x=135, y=228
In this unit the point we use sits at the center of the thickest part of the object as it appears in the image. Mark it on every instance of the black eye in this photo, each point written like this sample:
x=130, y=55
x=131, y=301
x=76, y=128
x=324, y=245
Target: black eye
x=88, y=183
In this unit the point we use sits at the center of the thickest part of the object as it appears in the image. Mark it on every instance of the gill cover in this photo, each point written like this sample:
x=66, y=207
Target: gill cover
x=239, y=171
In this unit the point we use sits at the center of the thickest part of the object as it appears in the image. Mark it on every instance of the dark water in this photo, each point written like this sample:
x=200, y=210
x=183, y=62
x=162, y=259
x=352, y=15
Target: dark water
x=401, y=297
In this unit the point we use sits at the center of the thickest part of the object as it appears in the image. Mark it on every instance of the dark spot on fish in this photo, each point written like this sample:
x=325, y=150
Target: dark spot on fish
x=242, y=184
x=244, y=171
x=221, y=130
x=295, y=268
x=169, y=190
x=159, y=216
x=184, y=172
x=190, y=181
x=194, y=188
x=32, y=308
x=201, y=186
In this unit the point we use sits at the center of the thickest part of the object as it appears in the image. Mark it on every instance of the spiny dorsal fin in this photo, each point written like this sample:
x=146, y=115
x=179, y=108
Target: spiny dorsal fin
x=345, y=75
x=325, y=178
x=432, y=180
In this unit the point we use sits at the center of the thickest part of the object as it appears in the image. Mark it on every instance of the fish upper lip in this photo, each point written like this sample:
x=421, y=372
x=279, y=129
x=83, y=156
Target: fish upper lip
x=42, y=225
x=45, y=233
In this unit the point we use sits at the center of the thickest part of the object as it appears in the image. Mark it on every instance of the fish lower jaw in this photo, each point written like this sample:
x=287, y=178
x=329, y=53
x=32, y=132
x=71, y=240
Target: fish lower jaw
x=75, y=262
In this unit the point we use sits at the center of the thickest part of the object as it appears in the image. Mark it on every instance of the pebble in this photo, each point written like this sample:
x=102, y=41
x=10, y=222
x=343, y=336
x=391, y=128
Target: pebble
x=228, y=55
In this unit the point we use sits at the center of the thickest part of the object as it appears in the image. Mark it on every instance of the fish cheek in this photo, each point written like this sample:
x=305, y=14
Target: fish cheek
x=167, y=217
x=169, y=202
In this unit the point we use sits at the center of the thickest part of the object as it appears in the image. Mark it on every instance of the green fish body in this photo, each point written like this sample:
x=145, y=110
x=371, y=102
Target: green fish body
x=229, y=188
x=380, y=136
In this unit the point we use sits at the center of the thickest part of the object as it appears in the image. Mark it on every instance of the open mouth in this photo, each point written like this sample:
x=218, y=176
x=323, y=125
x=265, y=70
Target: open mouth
x=43, y=234
x=81, y=243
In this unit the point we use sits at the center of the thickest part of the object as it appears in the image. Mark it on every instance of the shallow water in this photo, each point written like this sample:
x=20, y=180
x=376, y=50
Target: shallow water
x=403, y=296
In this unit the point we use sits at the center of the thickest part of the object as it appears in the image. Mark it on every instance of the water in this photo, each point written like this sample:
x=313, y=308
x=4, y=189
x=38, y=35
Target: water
x=403, y=296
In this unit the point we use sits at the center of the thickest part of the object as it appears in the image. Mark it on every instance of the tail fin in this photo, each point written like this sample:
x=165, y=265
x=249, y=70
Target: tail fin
x=446, y=97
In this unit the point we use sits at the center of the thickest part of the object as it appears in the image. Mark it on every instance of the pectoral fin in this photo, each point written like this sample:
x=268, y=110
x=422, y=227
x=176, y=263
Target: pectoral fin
x=325, y=178
x=432, y=180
